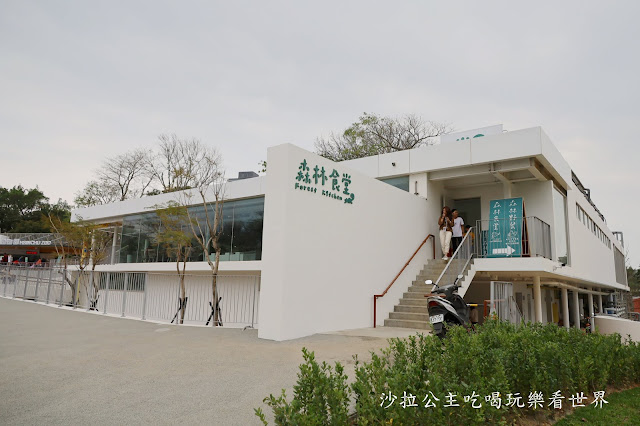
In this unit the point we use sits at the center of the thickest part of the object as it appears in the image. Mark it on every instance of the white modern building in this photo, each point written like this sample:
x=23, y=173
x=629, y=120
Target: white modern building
x=325, y=237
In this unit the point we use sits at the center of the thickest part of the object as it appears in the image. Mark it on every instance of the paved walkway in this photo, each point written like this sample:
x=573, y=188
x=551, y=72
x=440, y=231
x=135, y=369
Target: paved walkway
x=64, y=367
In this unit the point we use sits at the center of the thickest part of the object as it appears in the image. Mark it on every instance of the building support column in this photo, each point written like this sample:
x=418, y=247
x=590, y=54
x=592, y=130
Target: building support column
x=537, y=298
x=600, y=311
x=113, y=244
x=576, y=309
x=565, y=307
x=591, y=320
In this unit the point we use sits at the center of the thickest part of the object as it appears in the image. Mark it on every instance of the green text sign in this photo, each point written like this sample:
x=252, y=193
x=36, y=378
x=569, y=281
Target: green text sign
x=505, y=228
x=319, y=180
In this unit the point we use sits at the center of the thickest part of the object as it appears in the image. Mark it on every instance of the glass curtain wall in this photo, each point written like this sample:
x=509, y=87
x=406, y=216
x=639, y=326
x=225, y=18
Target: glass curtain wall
x=241, y=237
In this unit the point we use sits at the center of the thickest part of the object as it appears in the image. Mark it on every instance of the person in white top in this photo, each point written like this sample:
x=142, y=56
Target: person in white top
x=457, y=229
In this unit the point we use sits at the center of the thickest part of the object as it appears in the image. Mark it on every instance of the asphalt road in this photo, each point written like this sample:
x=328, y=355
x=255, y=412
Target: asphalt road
x=64, y=367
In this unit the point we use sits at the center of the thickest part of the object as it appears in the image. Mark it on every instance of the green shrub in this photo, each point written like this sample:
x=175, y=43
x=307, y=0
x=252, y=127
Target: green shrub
x=321, y=396
x=499, y=358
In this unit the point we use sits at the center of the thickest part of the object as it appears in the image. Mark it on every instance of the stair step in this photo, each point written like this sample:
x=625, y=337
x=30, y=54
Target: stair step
x=413, y=302
x=422, y=282
x=414, y=316
x=422, y=325
x=420, y=288
x=423, y=277
x=425, y=271
x=423, y=309
x=432, y=275
x=413, y=295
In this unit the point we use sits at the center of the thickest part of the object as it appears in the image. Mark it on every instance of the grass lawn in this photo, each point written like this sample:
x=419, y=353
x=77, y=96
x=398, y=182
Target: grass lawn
x=623, y=409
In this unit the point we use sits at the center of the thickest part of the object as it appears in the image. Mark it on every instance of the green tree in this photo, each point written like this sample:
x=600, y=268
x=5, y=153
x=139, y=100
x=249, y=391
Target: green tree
x=373, y=134
x=633, y=279
x=26, y=210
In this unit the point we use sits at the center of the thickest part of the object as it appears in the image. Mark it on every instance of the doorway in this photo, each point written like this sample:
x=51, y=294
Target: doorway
x=469, y=210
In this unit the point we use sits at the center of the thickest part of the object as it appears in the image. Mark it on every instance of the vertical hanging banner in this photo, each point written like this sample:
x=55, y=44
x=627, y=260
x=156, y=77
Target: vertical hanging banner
x=505, y=228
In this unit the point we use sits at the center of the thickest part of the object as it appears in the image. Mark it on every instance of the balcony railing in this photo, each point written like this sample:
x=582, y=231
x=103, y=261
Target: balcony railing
x=514, y=237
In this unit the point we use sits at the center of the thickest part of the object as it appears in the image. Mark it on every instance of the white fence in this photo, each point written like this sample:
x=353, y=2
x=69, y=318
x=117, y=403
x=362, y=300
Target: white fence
x=141, y=295
x=503, y=304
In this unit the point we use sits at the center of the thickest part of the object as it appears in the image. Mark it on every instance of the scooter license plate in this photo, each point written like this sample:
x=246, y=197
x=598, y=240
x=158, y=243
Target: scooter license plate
x=436, y=318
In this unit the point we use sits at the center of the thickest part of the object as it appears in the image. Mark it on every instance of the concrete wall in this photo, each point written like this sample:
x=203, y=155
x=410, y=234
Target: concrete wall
x=624, y=327
x=324, y=259
x=523, y=143
x=590, y=258
x=538, y=201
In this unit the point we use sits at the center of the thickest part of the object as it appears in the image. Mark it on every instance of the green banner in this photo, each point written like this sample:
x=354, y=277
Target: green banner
x=505, y=228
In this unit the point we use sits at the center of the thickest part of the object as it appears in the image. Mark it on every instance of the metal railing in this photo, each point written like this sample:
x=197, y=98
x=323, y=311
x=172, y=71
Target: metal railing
x=459, y=262
x=141, y=295
x=492, y=239
x=377, y=296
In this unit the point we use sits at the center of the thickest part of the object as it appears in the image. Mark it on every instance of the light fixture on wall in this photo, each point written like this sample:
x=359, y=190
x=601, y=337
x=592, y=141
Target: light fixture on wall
x=393, y=164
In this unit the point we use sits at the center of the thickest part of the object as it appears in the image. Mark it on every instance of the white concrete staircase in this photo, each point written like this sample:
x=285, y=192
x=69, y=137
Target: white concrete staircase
x=413, y=311
x=467, y=278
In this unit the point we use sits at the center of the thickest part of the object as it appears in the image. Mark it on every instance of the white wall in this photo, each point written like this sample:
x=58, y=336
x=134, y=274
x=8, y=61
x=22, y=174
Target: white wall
x=590, y=258
x=624, y=327
x=323, y=260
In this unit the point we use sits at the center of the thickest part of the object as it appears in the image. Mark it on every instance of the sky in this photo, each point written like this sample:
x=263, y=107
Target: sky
x=82, y=81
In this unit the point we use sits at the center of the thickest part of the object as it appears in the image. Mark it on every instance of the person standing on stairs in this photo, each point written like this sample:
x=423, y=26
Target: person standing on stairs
x=457, y=229
x=445, y=223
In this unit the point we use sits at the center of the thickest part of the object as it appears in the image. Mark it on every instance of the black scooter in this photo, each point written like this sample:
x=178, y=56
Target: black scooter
x=446, y=308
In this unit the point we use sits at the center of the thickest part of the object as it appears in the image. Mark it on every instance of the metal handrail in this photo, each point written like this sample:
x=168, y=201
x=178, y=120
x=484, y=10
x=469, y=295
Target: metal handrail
x=536, y=241
x=446, y=268
x=376, y=296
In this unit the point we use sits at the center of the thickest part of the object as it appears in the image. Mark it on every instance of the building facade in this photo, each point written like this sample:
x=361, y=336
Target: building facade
x=325, y=237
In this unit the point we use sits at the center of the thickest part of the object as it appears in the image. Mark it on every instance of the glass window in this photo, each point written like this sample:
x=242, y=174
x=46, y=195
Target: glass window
x=241, y=237
x=401, y=182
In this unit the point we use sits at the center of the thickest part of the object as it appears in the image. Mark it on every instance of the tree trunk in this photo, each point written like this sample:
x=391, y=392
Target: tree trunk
x=214, y=289
x=183, y=291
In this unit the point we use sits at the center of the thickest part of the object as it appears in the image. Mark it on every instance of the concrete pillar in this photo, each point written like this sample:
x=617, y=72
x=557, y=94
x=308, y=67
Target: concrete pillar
x=506, y=189
x=113, y=244
x=576, y=310
x=600, y=311
x=591, y=321
x=565, y=307
x=537, y=298
x=93, y=247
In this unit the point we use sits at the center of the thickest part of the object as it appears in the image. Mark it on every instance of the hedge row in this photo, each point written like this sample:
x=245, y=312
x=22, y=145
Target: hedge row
x=484, y=373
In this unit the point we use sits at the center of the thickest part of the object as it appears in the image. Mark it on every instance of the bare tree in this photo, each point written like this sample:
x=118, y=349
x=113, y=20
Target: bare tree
x=373, y=135
x=86, y=244
x=178, y=244
x=101, y=242
x=127, y=173
x=178, y=163
x=208, y=187
x=118, y=178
